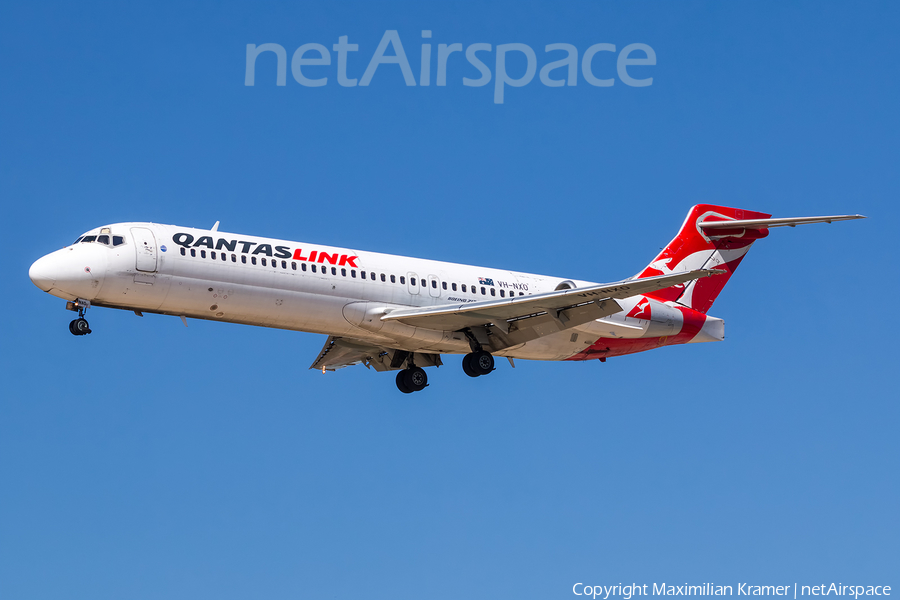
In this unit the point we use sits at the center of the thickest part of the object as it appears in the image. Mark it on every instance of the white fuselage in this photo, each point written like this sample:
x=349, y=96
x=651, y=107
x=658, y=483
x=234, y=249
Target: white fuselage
x=308, y=287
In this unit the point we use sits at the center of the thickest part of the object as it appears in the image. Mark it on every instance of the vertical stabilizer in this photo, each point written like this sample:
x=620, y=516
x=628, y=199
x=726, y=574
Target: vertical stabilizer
x=694, y=248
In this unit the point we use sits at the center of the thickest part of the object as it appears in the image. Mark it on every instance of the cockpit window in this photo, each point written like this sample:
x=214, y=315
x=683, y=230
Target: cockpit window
x=78, y=240
x=103, y=238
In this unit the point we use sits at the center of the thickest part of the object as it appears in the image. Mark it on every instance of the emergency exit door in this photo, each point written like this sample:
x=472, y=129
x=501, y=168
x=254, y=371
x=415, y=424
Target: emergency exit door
x=434, y=286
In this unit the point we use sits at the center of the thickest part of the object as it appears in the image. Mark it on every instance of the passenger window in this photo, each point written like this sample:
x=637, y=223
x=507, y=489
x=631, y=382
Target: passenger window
x=302, y=266
x=483, y=293
x=224, y=256
x=344, y=272
x=502, y=294
x=334, y=270
x=88, y=239
x=373, y=276
x=362, y=275
x=243, y=259
x=453, y=286
x=193, y=252
x=521, y=293
x=253, y=260
x=353, y=273
x=314, y=268
x=233, y=258
x=402, y=279
x=203, y=254
x=183, y=252
x=264, y=262
x=212, y=255
x=434, y=284
x=412, y=280
x=463, y=287
x=493, y=292
x=118, y=240
x=444, y=284
x=393, y=279
x=294, y=266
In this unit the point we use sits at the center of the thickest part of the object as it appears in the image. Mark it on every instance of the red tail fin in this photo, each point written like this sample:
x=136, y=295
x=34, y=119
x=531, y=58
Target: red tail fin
x=694, y=249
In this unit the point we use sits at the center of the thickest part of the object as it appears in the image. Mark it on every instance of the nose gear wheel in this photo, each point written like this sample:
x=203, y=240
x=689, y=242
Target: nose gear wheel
x=79, y=326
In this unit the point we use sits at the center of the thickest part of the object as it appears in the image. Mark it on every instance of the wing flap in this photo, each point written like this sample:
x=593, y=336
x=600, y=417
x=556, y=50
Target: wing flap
x=338, y=353
x=529, y=328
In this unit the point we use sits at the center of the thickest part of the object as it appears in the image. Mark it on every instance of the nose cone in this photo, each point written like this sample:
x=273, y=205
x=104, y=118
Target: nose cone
x=71, y=272
x=42, y=273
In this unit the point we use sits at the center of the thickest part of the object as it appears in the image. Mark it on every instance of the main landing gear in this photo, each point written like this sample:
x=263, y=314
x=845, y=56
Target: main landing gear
x=413, y=379
x=478, y=363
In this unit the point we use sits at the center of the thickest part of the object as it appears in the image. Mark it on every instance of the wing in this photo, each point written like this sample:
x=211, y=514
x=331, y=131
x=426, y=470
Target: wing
x=523, y=318
x=338, y=353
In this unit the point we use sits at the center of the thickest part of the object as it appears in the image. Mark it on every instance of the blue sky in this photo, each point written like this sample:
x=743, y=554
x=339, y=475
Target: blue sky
x=148, y=460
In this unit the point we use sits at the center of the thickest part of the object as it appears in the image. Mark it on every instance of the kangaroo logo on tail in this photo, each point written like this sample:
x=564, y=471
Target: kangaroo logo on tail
x=662, y=266
x=641, y=310
x=694, y=249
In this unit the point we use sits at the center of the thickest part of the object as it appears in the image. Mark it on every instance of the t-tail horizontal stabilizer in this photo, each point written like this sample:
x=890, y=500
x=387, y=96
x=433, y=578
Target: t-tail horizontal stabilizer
x=769, y=223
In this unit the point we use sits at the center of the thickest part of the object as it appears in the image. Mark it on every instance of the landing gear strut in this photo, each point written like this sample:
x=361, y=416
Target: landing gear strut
x=478, y=363
x=413, y=379
x=80, y=325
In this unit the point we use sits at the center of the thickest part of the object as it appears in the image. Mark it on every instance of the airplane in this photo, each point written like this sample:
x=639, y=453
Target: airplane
x=395, y=313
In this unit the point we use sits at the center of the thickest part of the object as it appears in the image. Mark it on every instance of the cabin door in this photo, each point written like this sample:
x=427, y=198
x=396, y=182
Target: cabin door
x=145, y=249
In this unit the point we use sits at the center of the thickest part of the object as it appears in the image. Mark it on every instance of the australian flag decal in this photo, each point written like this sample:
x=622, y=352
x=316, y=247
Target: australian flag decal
x=485, y=281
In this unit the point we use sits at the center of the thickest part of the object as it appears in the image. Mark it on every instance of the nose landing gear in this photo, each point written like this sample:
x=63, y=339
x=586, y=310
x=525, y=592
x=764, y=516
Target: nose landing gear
x=80, y=325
